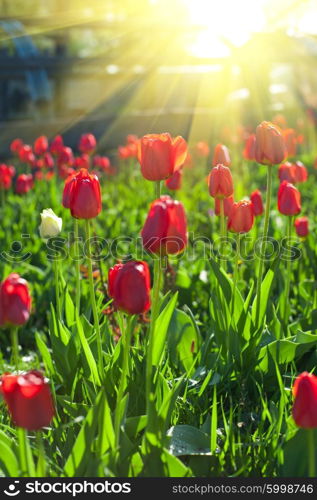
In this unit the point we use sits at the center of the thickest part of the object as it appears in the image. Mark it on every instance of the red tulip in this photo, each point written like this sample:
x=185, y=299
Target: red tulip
x=48, y=160
x=129, y=286
x=40, y=145
x=24, y=183
x=132, y=139
x=249, y=148
x=87, y=143
x=290, y=139
x=82, y=195
x=82, y=161
x=15, y=301
x=15, y=146
x=221, y=156
x=220, y=182
x=57, y=145
x=26, y=154
x=300, y=172
x=65, y=157
x=269, y=145
x=305, y=403
x=288, y=199
x=202, y=149
x=175, y=181
x=160, y=155
x=165, y=229
x=257, y=202
x=286, y=172
x=29, y=399
x=6, y=175
x=241, y=217
x=227, y=205
x=301, y=226
x=102, y=162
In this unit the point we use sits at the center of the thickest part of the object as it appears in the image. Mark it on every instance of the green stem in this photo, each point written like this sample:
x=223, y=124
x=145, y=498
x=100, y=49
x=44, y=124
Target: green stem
x=77, y=261
x=56, y=277
x=235, y=274
x=288, y=273
x=2, y=197
x=222, y=225
x=311, y=453
x=154, y=315
x=15, y=347
x=23, y=451
x=93, y=302
x=265, y=232
x=125, y=343
x=41, y=464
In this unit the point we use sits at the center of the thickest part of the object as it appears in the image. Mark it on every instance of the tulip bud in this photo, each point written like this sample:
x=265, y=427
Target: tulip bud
x=305, y=403
x=26, y=154
x=129, y=286
x=15, y=146
x=300, y=172
x=257, y=202
x=249, y=148
x=40, y=145
x=6, y=175
x=220, y=182
x=286, y=172
x=51, y=225
x=29, y=399
x=87, y=143
x=301, y=226
x=175, y=181
x=269, y=145
x=202, y=149
x=241, y=217
x=82, y=195
x=288, y=199
x=227, y=205
x=57, y=145
x=165, y=229
x=221, y=156
x=65, y=156
x=160, y=155
x=24, y=183
x=15, y=301
x=290, y=142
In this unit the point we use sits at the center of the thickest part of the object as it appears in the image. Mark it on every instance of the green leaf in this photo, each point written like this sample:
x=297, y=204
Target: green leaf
x=87, y=352
x=161, y=327
x=183, y=340
x=8, y=461
x=47, y=359
x=188, y=440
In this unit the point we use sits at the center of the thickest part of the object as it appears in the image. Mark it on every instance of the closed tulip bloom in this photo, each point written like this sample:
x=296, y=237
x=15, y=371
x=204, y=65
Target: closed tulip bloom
x=15, y=146
x=165, y=229
x=160, y=155
x=65, y=157
x=129, y=285
x=40, y=145
x=221, y=156
x=249, y=148
x=301, y=226
x=202, y=149
x=288, y=199
x=87, y=143
x=51, y=224
x=48, y=160
x=241, y=217
x=82, y=195
x=305, y=404
x=175, y=181
x=132, y=139
x=227, y=205
x=26, y=154
x=57, y=145
x=286, y=172
x=257, y=202
x=28, y=399
x=220, y=182
x=300, y=172
x=269, y=145
x=24, y=183
x=15, y=301
x=6, y=174
x=290, y=138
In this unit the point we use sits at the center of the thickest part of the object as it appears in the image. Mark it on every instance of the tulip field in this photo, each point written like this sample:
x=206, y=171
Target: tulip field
x=158, y=309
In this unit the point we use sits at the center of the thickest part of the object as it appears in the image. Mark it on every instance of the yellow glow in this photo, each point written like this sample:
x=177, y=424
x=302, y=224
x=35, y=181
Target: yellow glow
x=224, y=23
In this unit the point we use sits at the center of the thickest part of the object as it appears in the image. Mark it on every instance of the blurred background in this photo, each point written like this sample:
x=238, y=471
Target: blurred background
x=204, y=69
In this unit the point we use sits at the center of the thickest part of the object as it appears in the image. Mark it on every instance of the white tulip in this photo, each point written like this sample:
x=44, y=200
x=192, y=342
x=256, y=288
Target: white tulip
x=51, y=225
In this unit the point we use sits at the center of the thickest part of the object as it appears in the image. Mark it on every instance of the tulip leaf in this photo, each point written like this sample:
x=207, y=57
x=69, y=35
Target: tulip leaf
x=161, y=328
x=87, y=352
x=8, y=461
x=183, y=339
x=188, y=440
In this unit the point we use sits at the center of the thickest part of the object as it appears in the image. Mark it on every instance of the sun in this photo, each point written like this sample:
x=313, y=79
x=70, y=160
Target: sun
x=221, y=21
